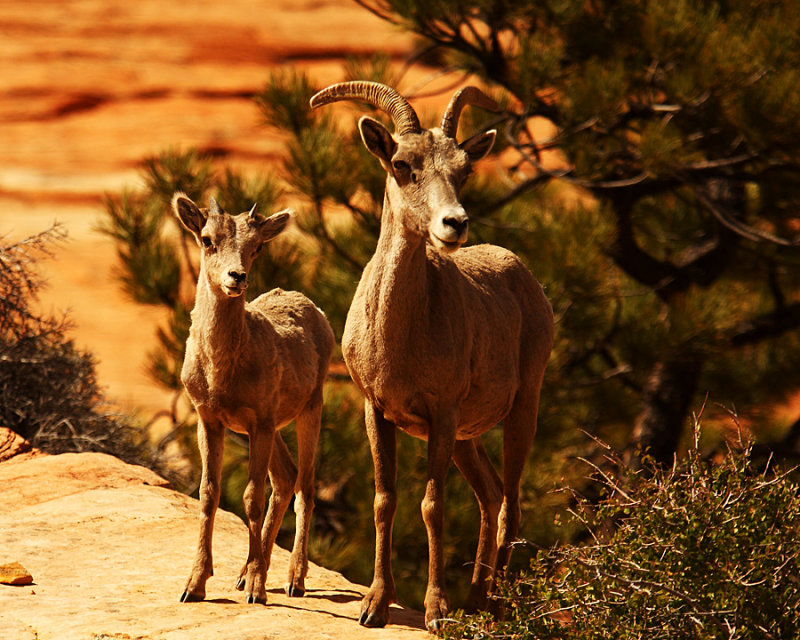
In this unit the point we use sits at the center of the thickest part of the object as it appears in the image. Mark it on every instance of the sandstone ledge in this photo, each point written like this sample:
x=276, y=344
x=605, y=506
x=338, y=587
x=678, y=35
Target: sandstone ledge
x=109, y=546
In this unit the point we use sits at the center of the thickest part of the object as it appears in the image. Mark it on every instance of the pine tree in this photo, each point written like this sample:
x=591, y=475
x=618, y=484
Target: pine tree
x=680, y=120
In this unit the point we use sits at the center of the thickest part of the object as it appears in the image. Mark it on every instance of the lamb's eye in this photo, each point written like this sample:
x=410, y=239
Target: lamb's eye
x=257, y=251
x=207, y=243
x=400, y=165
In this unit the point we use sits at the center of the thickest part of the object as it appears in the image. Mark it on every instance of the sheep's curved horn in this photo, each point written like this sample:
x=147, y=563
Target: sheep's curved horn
x=378, y=95
x=213, y=206
x=253, y=210
x=460, y=99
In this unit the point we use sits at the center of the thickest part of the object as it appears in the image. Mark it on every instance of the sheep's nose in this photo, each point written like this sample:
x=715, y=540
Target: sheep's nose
x=457, y=224
x=238, y=276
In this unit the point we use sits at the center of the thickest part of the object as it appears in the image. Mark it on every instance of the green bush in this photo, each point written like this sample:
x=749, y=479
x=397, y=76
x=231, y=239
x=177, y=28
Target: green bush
x=706, y=549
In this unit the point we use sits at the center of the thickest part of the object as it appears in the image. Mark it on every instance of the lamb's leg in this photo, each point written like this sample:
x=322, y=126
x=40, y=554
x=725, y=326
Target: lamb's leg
x=383, y=444
x=261, y=441
x=282, y=475
x=210, y=440
x=441, y=441
x=309, y=423
x=473, y=462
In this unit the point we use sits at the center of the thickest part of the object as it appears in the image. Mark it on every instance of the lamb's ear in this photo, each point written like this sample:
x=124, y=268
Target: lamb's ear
x=275, y=224
x=377, y=140
x=479, y=145
x=189, y=214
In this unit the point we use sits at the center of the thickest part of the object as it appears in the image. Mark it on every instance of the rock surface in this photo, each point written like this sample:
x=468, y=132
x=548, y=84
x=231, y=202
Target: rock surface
x=109, y=546
x=12, y=444
x=15, y=574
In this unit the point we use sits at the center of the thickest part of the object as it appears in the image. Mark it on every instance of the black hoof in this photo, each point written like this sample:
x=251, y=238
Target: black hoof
x=371, y=620
x=253, y=599
x=240, y=584
x=191, y=597
x=294, y=592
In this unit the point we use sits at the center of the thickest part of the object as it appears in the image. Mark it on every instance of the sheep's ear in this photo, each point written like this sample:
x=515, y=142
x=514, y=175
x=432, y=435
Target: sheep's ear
x=377, y=140
x=189, y=214
x=479, y=145
x=275, y=224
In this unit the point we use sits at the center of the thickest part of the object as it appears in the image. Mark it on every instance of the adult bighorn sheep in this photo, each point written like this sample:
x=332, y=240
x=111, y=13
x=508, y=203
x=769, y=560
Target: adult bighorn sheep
x=253, y=368
x=444, y=344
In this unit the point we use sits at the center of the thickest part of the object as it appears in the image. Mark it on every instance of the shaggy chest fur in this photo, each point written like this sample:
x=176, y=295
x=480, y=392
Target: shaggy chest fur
x=212, y=375
x=222, y=383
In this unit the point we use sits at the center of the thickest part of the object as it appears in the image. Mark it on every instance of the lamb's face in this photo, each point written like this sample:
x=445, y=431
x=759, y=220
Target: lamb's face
x=229, y=243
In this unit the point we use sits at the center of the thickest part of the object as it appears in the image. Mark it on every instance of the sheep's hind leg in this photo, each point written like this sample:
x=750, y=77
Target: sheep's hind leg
x=473, y=462
x=210, y=440
x=308, y=428
x=518, y=434
x=282, y=474
x=261, y=441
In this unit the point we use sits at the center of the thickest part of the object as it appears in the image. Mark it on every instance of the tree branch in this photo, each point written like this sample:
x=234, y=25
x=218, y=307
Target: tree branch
x=768, y=325
x=337, y=248
x=740, y=228
x=632, y=259
x=383, y=13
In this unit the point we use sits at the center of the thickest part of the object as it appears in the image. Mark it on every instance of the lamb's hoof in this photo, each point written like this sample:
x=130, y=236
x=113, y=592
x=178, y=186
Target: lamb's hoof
x=293, y=591
x=191, y=597
x=254, y=599
x=240, y=584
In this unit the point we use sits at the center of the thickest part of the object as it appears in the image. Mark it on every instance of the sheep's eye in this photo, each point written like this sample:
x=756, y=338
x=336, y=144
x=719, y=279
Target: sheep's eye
x=207, y=243
x=257, y=251
x=403, y=171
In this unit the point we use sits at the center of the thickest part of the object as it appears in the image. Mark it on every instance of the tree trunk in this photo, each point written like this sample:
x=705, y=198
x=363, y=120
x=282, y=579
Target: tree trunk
x=665, y=405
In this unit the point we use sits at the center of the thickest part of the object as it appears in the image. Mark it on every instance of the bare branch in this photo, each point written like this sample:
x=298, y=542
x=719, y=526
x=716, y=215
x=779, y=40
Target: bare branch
x=768, y=325
x=384, y=14
x=740, y=228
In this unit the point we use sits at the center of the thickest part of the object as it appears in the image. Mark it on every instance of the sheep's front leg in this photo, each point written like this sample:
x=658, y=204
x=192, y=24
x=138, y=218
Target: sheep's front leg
x=261, y=441
x=383, y=444
x=441, y=439
x=210, y=440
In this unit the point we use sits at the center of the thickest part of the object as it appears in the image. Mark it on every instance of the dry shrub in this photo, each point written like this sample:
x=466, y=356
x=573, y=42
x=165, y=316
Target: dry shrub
x=48, y=389
x=706, y=549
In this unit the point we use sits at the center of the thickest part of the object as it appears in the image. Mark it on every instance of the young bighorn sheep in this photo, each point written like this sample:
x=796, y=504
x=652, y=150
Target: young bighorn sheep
x=253, y=368
x=444, y=344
